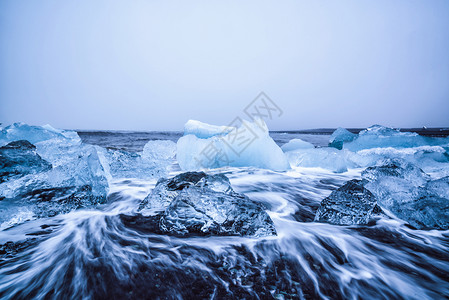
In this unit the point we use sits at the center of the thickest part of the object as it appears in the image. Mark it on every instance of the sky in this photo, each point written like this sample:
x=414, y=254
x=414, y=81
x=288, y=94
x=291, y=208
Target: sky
x=153, y=65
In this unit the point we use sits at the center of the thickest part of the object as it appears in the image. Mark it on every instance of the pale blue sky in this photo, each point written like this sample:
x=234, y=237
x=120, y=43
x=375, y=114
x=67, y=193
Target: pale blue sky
x=152, y=65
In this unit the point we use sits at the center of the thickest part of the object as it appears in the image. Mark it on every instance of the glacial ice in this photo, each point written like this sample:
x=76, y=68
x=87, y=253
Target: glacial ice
x=295, y=144
x=244, y=146
x=19, y=158
x=58, y=174
x=159, y=150
x=152, y=162
x=351, y=204
x=34, y=134
x=426, y=157
x=168, y=189
x=194, y=203
x=340, y=136
x=332, y=159
x=378, y=136
x=204, y=130
x=407, y=192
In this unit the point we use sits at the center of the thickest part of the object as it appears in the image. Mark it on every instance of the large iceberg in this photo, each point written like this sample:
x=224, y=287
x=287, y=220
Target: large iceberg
x=55, y=175
x=246, y=145
x=194, y=203
x=340, y=136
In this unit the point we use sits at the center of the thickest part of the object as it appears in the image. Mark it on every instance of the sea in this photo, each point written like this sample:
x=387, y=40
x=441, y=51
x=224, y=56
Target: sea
x=93, y=254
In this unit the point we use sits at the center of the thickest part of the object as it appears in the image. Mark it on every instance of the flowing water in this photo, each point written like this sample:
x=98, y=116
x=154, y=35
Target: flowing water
x=109, y=253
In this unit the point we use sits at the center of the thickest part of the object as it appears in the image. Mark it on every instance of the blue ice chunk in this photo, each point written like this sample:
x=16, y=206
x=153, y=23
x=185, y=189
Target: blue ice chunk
x=195, y=203
x=34, y=134
x=340, y=136
x=408, y=193
x=246, y=146
x=351, y=204
x=380, y=136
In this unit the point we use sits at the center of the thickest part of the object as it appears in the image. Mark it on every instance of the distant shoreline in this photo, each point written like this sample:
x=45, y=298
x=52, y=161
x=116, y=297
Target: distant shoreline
x=432, y=132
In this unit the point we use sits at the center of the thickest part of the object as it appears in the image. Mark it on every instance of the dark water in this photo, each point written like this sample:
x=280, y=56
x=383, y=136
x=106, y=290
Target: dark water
x=107, y=253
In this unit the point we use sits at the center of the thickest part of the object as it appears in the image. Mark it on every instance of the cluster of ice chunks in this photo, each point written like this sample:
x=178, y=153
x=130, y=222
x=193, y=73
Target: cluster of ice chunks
x=349, y=205
x=194, y=203
x=370, y=146
x=340, y=136
x=248, y=145
x=378, y=136
x=152, y=162
x=55, y=175
x=394, y=187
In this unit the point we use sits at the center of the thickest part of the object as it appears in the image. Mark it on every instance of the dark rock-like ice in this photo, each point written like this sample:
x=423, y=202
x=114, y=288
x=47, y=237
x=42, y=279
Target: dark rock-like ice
x=195, y=203
x=351, y=204
x=20, y=158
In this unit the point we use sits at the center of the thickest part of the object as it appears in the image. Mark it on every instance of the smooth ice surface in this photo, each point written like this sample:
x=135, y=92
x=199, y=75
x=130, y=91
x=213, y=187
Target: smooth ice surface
x=247, y=145
x=204, y=130
x=340, y=136
x=197, y=203
x=407, y=192
x=295, y=144
x=349, y=205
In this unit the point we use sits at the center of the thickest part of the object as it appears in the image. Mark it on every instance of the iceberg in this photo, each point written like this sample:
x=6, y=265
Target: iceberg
x=248, y=145
x=55, y=175
x=194, y=203
x=351, y=204
x=340, y=136
x=34, y=134
x=378, y=136
x=408, y=193
x=295, y=144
